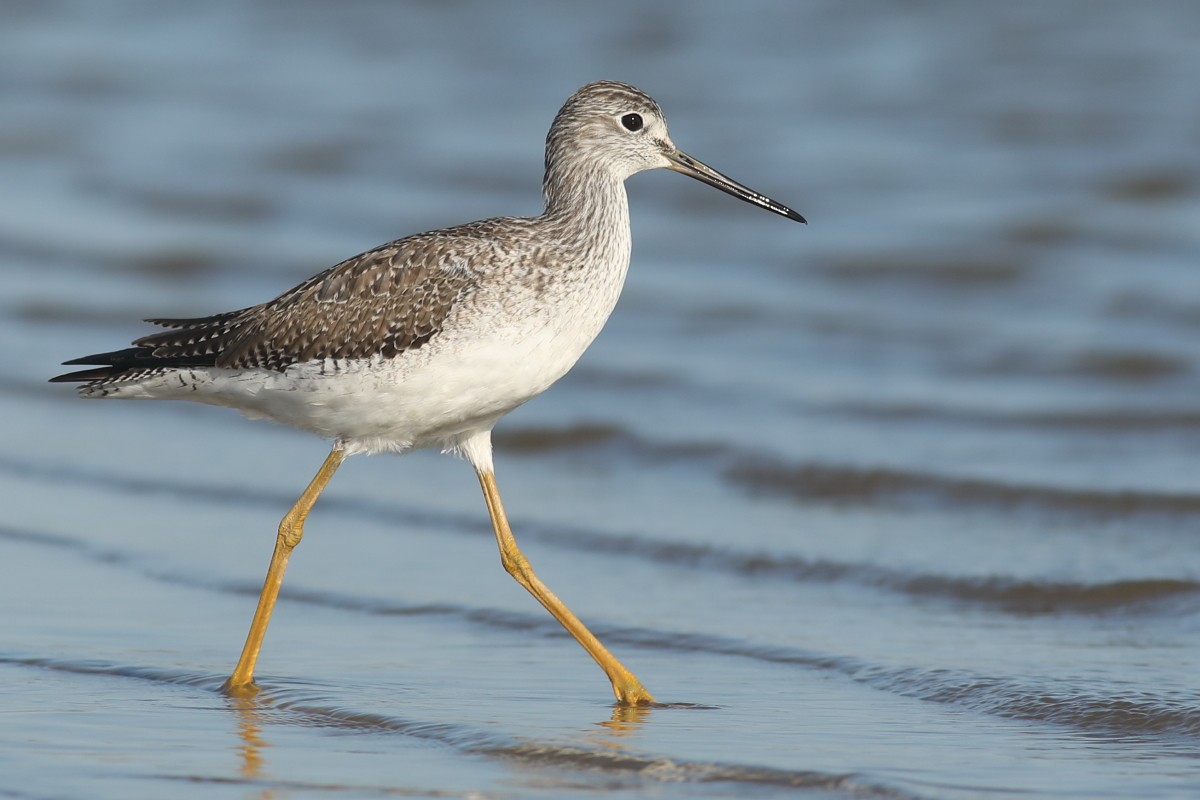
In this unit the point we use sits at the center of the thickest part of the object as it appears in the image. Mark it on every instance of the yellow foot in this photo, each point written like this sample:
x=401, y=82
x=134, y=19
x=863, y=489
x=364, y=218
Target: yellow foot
x=242, y=690
x=633, y=694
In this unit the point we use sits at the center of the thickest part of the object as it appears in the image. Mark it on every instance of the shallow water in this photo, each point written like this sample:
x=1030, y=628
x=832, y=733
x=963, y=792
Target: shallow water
x=902, y=504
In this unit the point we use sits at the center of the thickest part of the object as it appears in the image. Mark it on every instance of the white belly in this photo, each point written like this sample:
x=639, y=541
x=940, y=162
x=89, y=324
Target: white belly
x=460, y=383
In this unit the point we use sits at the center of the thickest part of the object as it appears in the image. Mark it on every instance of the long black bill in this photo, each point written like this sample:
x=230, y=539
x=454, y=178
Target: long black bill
x=683, y=163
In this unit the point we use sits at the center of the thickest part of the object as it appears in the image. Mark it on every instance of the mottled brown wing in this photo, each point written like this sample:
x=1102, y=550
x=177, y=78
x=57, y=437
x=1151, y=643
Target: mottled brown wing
x=383, y=302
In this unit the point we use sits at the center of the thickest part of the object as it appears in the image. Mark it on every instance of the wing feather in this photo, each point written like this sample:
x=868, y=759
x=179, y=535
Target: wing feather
x=383, y=302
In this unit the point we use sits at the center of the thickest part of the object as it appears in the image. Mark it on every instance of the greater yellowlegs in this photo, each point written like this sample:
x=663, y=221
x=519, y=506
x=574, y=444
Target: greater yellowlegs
x=427, y=341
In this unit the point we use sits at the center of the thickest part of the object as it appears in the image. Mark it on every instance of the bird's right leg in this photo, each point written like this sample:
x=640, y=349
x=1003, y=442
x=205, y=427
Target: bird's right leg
x=291, y=529
x=627, y=688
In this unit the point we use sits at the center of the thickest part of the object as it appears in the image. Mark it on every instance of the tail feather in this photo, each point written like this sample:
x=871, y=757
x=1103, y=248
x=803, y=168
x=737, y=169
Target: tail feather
x=188, y=343
x=84, y=376
x=120, y=363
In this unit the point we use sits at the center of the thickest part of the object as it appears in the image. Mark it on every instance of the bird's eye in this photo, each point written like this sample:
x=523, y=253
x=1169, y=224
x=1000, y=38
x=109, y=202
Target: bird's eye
x=632, y=122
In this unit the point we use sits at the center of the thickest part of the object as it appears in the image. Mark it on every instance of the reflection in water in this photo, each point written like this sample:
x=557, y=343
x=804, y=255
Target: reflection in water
x=622, y=727
x=248, y=711
x=624, y=724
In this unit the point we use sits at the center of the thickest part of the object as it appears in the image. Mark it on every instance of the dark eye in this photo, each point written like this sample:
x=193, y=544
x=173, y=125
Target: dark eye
x=632, y=122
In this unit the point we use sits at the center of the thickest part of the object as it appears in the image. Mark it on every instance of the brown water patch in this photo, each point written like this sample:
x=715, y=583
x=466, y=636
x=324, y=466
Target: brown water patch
x=966, y=272
x=1119, y=366
x=31, y=140
x=1127, y=365
x=597, y=438
x=1044, y=231
x=1151, y=186
x=317, y=158
x=1024, y=126
x=1049, y=597
x=591, y=375
x=874, y=485
x=173, y=264
x=1113, y=420
x=541, y=440
x=871, y=328
x=58, y=314
x=216, y=206
x=1140, y=305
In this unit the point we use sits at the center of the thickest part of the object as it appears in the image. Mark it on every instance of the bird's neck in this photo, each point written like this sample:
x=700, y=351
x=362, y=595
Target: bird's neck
x=588, y=211
x=587, y=202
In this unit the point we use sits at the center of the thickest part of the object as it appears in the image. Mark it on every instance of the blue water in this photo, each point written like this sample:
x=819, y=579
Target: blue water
x=902, y=504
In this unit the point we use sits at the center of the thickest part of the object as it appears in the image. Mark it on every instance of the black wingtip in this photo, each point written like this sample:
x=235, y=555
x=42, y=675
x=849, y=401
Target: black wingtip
x=97, y=358
x=105, y=365
x=82, y=375
x=118, y=362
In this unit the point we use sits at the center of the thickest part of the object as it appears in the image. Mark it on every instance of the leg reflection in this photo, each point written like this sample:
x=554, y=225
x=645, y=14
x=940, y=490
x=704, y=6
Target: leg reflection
x=623, y=726
x=251, y=744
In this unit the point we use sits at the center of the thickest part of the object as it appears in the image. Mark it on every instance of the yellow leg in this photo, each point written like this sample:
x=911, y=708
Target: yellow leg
x=291, y=529
x=626, y=686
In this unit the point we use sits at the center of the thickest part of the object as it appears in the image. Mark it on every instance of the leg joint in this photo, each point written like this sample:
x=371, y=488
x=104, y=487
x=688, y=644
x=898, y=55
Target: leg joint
x=291, y=530
x=515, y=564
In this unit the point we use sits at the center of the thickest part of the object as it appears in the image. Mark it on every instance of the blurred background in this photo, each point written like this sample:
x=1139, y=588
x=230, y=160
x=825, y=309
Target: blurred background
x=902, y=503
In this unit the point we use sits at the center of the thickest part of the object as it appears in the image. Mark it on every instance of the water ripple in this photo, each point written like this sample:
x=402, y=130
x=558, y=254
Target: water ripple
x=849, y=484
x=305, y=708
x=1070, y=703
x=1100, y=420
x=1144, y=594
x=900, y=487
